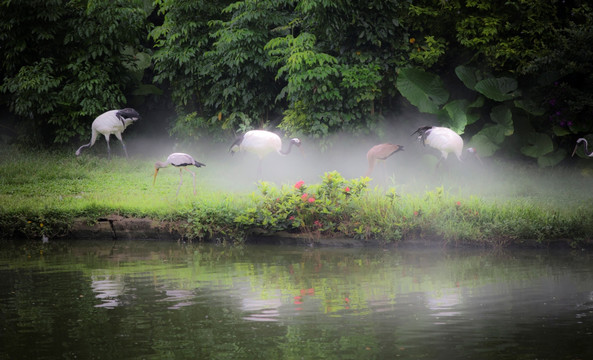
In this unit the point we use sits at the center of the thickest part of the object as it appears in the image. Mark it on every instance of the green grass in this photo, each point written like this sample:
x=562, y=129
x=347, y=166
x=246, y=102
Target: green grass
x=42, y=193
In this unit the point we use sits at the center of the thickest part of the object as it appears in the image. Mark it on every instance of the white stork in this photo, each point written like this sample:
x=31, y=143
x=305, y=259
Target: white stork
x=445, y=140
x=180, y=160
x=111, y=122
x=261, y=143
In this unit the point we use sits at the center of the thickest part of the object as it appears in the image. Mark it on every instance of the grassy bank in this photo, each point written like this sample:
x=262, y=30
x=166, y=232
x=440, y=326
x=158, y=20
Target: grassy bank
x=41, y=194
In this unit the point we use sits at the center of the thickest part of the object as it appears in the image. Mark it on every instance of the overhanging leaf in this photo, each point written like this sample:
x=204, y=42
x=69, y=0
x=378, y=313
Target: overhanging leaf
x=494, y=133
x=484, y=145
x=560, y=131
x=424, y=90
x=502, y=115
x=499, y=89
x=538, y=144
x=467, y=75
x=551, y=159
x=457, y=114
x=478, y=103
x=530, y=106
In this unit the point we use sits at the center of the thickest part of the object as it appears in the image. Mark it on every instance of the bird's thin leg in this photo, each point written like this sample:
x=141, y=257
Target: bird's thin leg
x=259, y=169
x=118, y=136
x=125, y=150
x=108, y=148
x=180, y=181
x=194, y=175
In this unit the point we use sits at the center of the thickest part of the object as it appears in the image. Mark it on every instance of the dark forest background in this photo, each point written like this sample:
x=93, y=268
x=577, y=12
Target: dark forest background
x=513, y=76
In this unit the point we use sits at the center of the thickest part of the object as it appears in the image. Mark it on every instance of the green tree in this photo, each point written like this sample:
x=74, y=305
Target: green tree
x=64, y=62
x=339, y=62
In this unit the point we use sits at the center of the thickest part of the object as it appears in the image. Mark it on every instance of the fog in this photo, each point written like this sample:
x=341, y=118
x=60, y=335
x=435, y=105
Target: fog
x=410, y=171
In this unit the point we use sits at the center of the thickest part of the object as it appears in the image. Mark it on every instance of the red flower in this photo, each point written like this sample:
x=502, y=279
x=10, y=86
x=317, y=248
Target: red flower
x=317, y=223
x=304, y=196
x=291, y=218
x=347, y=189
x=299, y=184
x=458, y=203
x=311, y=199
x=415, y=213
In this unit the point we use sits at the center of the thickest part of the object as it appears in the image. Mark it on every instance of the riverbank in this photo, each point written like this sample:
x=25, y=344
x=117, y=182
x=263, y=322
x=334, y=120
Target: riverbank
x=60, y=196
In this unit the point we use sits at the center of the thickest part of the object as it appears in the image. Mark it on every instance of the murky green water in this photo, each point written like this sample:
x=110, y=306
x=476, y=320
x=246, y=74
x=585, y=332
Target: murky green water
x=154, y=300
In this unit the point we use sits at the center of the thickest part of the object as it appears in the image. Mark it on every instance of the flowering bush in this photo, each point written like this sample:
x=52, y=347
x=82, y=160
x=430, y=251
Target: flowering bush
x=317, y=208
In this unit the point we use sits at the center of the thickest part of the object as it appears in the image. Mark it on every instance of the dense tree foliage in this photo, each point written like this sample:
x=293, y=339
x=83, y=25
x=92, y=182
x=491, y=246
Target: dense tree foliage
x=64, y=62
x=513, y=75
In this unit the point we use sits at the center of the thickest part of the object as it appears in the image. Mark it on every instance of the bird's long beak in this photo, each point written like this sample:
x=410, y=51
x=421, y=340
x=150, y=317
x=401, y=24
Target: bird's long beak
x=575, y=150
x=156, y=171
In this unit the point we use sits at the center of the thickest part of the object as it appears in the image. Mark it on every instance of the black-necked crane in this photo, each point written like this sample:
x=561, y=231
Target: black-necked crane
x=586, y=145
x=111, y=122
x=261, y=143
x=445, y=140
x=381, y=152
x=180, y=160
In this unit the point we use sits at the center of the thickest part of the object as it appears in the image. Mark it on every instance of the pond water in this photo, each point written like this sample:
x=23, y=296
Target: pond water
x=156, y=300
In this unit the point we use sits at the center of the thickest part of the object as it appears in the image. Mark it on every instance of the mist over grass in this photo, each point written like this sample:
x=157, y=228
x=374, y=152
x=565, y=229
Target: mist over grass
x=38, y=187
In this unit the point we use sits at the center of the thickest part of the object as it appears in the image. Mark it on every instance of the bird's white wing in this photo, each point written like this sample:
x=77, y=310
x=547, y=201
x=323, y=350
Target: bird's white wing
x=261, y=142
x=108, y=123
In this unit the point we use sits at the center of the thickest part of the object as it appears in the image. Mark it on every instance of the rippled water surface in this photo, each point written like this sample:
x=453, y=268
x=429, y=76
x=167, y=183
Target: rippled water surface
x=155, y=300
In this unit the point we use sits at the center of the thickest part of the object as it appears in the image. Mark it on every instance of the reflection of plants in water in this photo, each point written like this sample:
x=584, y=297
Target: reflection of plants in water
x=334, y=280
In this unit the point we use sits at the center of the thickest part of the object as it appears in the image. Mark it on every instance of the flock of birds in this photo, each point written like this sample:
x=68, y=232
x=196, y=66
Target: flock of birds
x=262, y=142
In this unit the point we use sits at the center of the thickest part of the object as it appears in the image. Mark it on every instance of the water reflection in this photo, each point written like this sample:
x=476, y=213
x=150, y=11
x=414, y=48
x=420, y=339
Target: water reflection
x=160, y=300
x=108, y=289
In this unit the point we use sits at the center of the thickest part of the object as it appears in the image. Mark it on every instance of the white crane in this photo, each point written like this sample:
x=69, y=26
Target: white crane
x=261, y=143
x=111, y=122
x=586, y=145
x=180, y=160
x=381, y=152
x=445, y=140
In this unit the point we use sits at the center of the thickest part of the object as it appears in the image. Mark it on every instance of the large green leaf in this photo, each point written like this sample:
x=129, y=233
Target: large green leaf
x=467, y=75
x=478, y=103
x=485, y=146
x=551, y=159
x=499, y=89
x=538, y=144
x=560, y=131
x=457, y=111
x=424, y=90
x=496, y=133
x=530, y=106
x=502, y=115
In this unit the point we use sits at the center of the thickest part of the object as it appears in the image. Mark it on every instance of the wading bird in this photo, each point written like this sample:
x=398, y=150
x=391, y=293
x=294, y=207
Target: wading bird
x=445, y=140
x=180, y=160
x=380, y=152
x=261, y=143
x=111, y=122
x=586, y=145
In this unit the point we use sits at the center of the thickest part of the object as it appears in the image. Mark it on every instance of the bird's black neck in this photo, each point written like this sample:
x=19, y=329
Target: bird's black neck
x=290, y=144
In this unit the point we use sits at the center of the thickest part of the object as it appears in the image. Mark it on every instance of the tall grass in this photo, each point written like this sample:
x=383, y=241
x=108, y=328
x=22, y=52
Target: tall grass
x=42, y=194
